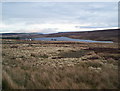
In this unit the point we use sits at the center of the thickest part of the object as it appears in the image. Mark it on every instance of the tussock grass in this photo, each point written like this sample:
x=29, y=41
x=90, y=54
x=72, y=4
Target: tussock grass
x=8, y=83
x=59, y=65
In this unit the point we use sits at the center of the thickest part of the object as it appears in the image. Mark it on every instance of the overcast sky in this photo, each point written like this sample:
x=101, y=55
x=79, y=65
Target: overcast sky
x=51, y=17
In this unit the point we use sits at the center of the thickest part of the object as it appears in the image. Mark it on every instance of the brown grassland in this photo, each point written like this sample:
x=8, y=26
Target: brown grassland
x=59, y=65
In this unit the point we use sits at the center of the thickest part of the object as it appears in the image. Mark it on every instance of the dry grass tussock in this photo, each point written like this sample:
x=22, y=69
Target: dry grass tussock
x=59, y=66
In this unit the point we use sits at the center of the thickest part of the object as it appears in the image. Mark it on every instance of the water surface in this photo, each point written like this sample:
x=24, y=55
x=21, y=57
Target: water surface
x=68, y=39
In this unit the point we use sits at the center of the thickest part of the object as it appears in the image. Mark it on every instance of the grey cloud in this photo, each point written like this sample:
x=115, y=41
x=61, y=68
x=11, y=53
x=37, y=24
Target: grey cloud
x=97, y=14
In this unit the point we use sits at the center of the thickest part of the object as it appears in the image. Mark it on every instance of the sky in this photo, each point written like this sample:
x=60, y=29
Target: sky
x=53, y=17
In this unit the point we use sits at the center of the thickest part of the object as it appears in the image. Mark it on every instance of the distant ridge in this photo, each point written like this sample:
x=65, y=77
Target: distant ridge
x=17, y=33
x=99, y=35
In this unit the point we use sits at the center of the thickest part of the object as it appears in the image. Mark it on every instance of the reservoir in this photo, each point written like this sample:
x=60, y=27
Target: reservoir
x=69, y=39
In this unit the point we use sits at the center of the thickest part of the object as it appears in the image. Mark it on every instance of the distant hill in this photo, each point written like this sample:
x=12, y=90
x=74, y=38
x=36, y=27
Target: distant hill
x=19, y=35
x=101, y=35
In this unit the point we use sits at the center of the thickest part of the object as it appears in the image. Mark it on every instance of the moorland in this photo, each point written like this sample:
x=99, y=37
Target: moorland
x=59, y=65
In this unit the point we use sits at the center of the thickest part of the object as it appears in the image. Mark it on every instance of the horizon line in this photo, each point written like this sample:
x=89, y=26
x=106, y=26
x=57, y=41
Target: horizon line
x=61, y=32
